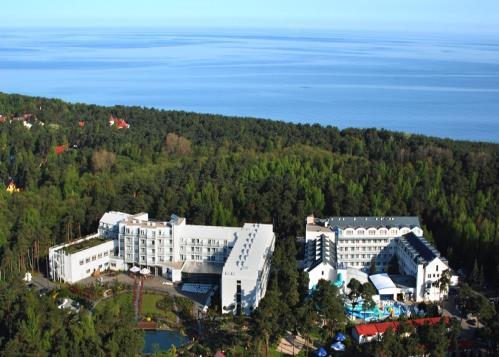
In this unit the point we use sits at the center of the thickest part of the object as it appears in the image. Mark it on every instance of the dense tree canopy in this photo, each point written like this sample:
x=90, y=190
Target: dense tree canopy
x=226, y=171
x=220, y=170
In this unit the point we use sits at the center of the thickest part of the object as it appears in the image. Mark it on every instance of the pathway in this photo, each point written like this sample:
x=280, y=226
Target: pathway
x=137, y=296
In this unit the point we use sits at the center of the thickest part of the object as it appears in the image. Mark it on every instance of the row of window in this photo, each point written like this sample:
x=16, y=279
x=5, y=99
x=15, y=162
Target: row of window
x=363, y=241
x=372, y=232
x=151, y=242
x=95, y=257
x=105, y=265
x=143, y=232
x=374, y=249
x=212, y=242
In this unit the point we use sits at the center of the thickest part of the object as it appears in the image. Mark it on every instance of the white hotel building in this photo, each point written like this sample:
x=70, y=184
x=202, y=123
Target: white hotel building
x=341, y=248
x=236, y=258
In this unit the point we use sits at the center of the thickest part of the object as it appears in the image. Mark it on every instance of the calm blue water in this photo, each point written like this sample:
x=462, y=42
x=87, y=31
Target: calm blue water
x=437, y=85
x=162, y=340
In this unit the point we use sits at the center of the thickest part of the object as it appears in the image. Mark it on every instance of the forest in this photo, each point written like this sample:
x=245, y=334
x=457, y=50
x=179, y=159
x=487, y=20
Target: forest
x=71, y=166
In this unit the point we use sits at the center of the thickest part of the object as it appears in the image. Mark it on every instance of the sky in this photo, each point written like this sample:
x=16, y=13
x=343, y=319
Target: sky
x=411, y=15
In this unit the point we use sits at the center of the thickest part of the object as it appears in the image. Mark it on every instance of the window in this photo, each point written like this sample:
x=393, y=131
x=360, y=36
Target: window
x=349, y=232
x=436, y=268
x=99, y=255
x=106, y=254
x=429, y=276
x=111, y=252
x=88, y=271
x=142, y=258
x=360, y=232
x=372, y=232
x=94, y=258
x=81, y=262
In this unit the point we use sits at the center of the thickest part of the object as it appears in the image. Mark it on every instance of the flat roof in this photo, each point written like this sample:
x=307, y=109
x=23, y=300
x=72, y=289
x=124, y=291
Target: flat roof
x=250, y=250
x=113, y=217
x=404, y=281
x=383, y=284
x=202, y=268
x=86, y=244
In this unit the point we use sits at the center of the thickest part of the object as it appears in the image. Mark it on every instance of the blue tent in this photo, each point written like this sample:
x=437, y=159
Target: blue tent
x=338, y=346
x=321, y=352
x=340, y=337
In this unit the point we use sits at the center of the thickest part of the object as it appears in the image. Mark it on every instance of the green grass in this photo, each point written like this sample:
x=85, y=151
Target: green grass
x=149, y=301
x=84, y=245
x=149, y=304
x=120, y=300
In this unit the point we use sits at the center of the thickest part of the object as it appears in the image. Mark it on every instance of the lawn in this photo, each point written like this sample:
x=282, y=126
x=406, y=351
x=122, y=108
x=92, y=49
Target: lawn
x=120, y=300
x=149, y=304
x=149, y=307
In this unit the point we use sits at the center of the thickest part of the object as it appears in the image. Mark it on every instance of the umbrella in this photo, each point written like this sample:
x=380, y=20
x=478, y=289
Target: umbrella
x=145, y=271
x=338, y=346
x=321, y=352
x=134, y=269
x=340, y=337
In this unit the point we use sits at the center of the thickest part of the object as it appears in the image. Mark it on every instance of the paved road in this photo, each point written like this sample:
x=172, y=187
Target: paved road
x=467, y=331
x=40, y=282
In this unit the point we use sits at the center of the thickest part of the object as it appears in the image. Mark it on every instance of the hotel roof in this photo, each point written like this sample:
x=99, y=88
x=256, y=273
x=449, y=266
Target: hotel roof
x=420, y=248
x=253, y=243
x=368, y=222
x=113, y=217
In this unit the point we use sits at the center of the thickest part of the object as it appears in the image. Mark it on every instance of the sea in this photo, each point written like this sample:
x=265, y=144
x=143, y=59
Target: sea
x=443, y=85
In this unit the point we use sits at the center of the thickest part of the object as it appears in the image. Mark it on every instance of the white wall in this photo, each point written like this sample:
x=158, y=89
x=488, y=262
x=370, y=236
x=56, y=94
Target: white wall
x=78, y=272
x=250, y=293
x=321, y=271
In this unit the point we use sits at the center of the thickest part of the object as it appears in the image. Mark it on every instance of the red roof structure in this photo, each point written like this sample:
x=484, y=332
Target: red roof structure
x=380, y=327
x=119, y=123
x=81, y=123
x=2, y=119
x=60, y=149
x=366, y=330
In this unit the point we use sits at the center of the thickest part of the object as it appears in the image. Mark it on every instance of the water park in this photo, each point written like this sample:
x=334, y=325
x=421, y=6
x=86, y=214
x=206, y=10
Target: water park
x=385, y=309
x=384, y=304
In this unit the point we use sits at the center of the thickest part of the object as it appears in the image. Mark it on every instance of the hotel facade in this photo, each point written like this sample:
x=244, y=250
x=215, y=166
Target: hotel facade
x=236, y=258
x=341, y=248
